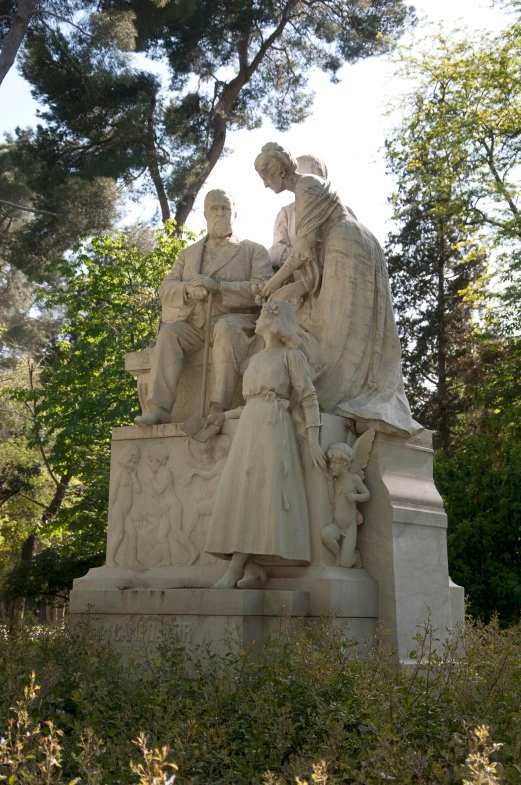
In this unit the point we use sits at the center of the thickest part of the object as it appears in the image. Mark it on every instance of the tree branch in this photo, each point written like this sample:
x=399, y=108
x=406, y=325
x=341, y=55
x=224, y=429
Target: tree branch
x=220, y=123
x=29, y=209
x=53, y=477
x=153, y=164
x=53, y=508
x=32, y=500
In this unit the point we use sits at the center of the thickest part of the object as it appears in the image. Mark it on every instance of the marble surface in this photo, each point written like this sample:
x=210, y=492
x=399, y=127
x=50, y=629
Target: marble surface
x=403, y=540
x=137, y=621
x=216, y=533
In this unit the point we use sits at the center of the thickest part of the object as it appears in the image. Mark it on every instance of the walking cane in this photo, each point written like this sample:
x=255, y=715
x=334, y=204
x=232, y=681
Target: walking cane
x=196, y=422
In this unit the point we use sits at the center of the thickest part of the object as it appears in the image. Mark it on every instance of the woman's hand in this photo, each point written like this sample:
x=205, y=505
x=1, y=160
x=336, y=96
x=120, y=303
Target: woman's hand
x=268, y=288
x=318, y=459
x=274, y=283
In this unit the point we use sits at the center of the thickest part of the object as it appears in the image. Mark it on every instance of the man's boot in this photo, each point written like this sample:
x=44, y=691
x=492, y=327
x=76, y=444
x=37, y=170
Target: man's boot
x=155, y=416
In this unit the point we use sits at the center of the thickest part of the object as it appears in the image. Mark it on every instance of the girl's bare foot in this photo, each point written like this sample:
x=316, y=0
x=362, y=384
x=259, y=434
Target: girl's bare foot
x=253, y=575
x=229, y=580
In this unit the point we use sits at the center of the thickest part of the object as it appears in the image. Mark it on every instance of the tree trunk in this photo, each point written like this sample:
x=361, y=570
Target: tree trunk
x=17, y=609
x=53, y=508
x=30, y=545
x=160, y=191
x=153, y=165
x=222, y=111
x=13, y=40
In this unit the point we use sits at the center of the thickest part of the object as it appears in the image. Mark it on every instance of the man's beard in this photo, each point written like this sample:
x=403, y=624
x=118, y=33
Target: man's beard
x=222, y=227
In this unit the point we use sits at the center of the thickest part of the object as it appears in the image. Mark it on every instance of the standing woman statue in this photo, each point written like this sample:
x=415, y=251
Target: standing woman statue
x=260, y=508
x=346, y=319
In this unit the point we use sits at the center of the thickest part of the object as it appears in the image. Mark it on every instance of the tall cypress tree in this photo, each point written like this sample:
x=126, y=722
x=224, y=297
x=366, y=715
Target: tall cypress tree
x=435, y=254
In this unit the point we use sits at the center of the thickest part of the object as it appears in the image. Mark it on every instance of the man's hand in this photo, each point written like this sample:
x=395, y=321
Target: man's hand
x=197, y=293
x=257, y=293
x=202, y=285
x=216, y=418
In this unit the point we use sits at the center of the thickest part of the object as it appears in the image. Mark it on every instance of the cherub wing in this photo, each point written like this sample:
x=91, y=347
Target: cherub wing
x=361, y=451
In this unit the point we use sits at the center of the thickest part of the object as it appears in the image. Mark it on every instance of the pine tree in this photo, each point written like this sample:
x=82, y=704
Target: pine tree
x=229, y=65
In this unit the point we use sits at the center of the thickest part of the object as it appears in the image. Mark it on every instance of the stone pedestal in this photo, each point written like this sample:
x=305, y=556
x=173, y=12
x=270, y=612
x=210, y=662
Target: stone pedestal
x=403, y=541
x=133, y=619
x=402, y=544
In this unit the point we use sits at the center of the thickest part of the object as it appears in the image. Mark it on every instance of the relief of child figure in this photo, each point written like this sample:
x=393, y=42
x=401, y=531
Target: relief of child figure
x=217, y=448
x=123, y=530
x=170, y=533
x=345, y=466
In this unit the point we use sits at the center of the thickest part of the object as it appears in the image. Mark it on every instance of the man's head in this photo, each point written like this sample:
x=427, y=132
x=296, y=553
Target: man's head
x=340, y=457
x=220, y=213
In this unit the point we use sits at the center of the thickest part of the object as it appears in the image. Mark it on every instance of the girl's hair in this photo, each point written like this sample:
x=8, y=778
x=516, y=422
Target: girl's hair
x=283, y=324
x=273, y=156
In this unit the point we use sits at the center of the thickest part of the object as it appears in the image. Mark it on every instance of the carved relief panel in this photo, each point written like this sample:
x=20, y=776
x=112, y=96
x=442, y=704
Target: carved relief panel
x=161, y=497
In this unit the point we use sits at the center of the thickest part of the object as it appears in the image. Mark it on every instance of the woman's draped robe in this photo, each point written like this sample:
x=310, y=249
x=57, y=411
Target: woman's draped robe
x=347, y=318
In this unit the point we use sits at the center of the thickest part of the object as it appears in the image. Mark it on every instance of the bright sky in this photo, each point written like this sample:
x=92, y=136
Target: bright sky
x=346, y=129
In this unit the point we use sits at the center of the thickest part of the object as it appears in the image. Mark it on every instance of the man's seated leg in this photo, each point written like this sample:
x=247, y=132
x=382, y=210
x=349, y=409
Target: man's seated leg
x=174, y=340
x=230, y=341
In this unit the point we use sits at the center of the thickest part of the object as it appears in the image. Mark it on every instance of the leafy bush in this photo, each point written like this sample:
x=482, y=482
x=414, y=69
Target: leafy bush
x=308, y=707
x=49, y=575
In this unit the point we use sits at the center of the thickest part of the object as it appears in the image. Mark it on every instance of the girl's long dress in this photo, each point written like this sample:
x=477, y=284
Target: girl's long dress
x=347, y=319
x=261, y=506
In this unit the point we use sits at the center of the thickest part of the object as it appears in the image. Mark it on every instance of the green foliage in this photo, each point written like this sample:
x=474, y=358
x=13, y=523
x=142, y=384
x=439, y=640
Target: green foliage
x=456, y=155
x=25, y=485
x=480, y=481
x=33, y=174
x=307, y=697
x=30, y=753
x=108, y=302
x=49, y=575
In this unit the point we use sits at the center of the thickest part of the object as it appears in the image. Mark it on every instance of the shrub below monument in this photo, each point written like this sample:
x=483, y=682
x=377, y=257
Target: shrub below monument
x=309, y=699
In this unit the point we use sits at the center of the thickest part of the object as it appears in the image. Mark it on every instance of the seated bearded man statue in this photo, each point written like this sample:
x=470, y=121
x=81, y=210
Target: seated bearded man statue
x=227, y=267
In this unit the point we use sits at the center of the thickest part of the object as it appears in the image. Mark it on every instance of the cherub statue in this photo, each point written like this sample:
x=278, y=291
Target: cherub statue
x=347, y=466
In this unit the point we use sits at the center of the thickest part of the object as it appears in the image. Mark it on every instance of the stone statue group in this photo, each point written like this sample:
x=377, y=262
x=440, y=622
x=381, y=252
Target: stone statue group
x=324, y=341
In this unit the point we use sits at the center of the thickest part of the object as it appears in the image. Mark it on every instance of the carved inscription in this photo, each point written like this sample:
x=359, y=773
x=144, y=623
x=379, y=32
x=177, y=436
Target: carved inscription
x=130, y=633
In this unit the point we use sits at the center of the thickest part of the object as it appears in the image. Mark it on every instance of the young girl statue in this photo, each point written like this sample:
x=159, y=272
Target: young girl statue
x=260, y=508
